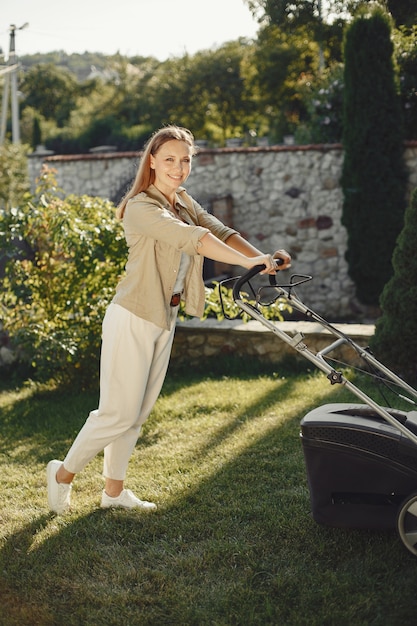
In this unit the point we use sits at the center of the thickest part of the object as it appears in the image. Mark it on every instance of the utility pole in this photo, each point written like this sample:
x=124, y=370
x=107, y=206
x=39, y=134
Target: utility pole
x=321, y=56
x=4, y=107
x=11, y=79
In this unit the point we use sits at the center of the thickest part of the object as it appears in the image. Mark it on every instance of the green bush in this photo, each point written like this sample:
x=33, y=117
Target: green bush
x=14, y=178
x=395, y=339
x=54, y=296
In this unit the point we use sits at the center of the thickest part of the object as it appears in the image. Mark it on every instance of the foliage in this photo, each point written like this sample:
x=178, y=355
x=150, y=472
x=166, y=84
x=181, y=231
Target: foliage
x=374, y=174
x=282, y=61
x=97, y=120
x=395, y=339
x=288, y=13
x=405, y=42
x=292, y=13
x=323, y=100
x=80, y=65
x=240, y=89
x=54, y=296
x=50, y=90
x=211, y=92
x=14, y=179
x=36, y=132
x=219, y=304
x=403, y=12
x=324, y=21
x=205, y=92
x=218, y=92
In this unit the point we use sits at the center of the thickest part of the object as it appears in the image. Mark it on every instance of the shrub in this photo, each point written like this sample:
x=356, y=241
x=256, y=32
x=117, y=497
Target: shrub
x=395, y=339
x=54, y=296
x=14, y=178
x=220, y=305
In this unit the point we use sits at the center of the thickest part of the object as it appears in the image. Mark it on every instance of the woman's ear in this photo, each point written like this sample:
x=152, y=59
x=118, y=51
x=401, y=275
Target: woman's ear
x=151, y=161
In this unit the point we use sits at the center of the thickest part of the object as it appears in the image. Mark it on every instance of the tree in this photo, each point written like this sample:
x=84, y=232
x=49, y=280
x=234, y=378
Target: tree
x=282, y=62
x=325, y=19
x=284, y=12
x=218, y=91
x=164, y=95
x=290, y=13
x=281, y=83
x=374, y=175
x=207, y=92
x=103, y=114
x=395, y=338
x=36, y=132
x=50, y=90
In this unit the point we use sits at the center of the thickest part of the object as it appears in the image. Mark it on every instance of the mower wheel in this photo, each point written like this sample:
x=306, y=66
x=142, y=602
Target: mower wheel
x=407, y=523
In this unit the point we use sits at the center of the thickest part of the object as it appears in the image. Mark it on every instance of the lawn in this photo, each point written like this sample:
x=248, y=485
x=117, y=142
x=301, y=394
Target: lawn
x=233, y=541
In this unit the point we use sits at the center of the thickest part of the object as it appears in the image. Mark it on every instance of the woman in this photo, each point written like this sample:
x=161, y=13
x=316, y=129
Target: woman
x=168, y=235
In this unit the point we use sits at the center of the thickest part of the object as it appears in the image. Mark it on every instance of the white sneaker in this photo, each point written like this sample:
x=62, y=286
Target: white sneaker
x=126, y=500
x=59, y=494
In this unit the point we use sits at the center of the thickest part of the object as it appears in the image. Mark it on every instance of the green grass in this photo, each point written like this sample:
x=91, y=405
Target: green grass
x=233, y=541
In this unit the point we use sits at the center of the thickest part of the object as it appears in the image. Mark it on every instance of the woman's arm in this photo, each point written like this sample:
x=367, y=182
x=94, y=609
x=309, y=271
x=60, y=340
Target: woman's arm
x=212, y=248
x=237, y=242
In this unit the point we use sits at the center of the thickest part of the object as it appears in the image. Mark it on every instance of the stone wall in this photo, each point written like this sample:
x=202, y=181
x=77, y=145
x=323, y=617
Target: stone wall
x=278, y=197
x=195, y=340
x=106, y=175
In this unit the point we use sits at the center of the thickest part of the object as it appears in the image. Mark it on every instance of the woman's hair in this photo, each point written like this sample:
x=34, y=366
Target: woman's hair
x=145, y=175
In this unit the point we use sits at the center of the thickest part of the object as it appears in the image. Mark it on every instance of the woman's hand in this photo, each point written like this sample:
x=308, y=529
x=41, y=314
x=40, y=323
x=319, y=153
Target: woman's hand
x=270, y=262
x=284, y=259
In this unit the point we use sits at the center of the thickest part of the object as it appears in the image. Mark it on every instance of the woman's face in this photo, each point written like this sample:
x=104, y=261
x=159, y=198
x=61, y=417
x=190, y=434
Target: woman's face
x=172, y=165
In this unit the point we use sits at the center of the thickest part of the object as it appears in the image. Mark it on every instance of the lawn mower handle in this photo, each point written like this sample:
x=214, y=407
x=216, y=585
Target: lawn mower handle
x=256, y=269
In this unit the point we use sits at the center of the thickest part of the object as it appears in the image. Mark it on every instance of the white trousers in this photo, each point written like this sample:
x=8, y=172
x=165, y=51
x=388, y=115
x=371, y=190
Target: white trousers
x=134, y=360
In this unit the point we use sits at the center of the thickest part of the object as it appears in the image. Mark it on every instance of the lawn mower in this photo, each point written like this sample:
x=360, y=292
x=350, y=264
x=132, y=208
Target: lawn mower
x=361, y=458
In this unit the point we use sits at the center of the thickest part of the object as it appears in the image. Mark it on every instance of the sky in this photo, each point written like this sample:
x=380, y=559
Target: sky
x=158, y=28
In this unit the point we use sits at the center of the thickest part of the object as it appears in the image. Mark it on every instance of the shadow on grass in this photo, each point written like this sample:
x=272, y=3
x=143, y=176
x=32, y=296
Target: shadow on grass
x=41, y=416
x=238, y=548
x=215, y=557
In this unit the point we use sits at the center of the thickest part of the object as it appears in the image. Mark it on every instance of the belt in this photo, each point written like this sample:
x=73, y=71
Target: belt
x=175, y=299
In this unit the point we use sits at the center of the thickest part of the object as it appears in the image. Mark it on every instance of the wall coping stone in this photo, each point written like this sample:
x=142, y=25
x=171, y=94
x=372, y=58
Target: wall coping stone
x=290, y=327
x=323, y=147
x=195, y=340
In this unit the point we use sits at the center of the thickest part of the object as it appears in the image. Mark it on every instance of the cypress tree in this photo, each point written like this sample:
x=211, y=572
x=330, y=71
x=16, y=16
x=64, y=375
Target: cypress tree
x=36, y=132
x=374, y=174
x=395, y=339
